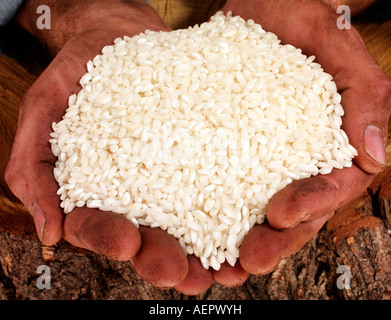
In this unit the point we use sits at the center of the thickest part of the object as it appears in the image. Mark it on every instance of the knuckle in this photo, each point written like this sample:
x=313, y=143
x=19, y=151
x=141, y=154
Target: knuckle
x=10, y=173
x=14, y=177
x=384, y=87
x=383, y=92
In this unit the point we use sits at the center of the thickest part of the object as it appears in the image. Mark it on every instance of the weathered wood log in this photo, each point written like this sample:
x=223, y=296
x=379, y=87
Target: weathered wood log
x=355, y=237
x=356, y=240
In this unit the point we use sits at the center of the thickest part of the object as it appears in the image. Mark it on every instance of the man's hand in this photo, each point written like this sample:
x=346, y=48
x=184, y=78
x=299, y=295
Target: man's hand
x=80, y=29
x=297, y=212
x=77, y=37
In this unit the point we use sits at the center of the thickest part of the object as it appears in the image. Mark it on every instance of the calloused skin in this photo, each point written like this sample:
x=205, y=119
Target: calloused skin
x=295, y=214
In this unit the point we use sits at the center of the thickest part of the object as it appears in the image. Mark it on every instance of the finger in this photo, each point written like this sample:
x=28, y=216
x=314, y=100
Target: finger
x=367, y=110
x=229, y=276
x=161, y=260
x=310, y=198
x=103, y=232
x=198, y=279
x=33, y=183
x=264, y=247
x=29, y=172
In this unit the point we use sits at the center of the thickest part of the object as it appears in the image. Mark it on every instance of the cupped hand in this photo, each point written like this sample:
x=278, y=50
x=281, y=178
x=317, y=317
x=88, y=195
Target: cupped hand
x=297, y=212
x=156, y=255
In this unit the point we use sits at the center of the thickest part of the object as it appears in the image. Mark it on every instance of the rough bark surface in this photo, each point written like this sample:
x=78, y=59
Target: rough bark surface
x=357, y=237
x=354, y=237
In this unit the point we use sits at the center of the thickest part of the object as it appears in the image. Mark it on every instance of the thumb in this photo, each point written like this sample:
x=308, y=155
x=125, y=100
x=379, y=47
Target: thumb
x=367, y=106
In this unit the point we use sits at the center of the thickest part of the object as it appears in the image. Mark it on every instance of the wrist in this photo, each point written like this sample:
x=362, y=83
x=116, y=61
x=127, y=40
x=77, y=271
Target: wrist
x=73, y=17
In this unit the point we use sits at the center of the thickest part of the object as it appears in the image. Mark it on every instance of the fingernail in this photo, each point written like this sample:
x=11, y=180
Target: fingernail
x=302, y=218
x=39, y=219
x=374, y=144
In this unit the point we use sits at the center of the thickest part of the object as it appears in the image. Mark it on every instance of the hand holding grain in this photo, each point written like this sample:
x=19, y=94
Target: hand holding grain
x=297, y=212
x=73, y=40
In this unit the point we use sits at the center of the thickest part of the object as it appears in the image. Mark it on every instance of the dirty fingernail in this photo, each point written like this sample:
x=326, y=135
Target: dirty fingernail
x=374, y=144
x=39, y=219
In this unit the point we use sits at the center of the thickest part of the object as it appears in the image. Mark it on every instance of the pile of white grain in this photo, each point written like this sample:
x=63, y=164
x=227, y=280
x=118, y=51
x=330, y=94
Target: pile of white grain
x=193, y=131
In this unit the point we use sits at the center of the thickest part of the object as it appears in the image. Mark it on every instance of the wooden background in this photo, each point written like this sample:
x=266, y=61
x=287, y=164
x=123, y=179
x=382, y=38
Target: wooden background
x=358, y=236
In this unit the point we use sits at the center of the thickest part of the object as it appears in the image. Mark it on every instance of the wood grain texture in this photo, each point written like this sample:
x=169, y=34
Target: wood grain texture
x=357, y=236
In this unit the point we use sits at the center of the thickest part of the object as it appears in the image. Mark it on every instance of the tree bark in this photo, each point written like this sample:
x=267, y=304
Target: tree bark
x=356, y=237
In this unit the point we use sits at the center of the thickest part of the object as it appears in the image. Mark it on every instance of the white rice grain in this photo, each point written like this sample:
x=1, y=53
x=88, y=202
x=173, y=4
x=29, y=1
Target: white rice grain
x=193, y=131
